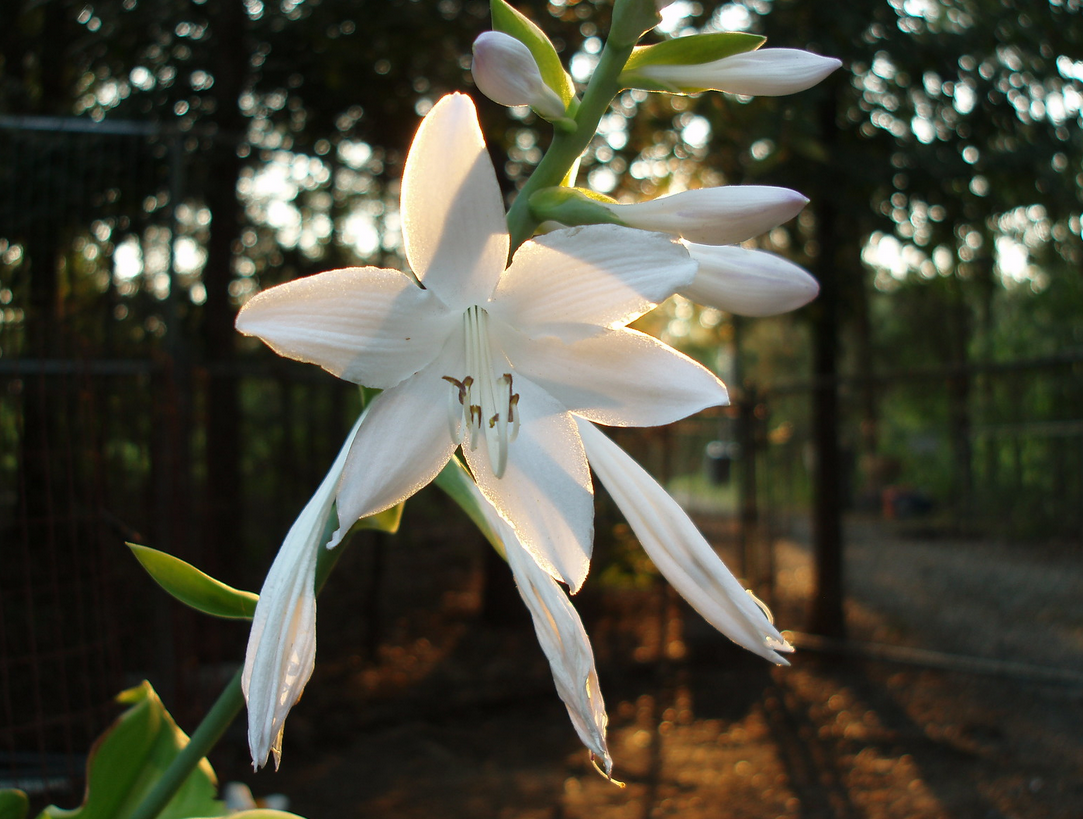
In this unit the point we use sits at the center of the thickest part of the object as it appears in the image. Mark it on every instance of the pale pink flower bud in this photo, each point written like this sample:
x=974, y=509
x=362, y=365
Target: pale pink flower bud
x=507, y=73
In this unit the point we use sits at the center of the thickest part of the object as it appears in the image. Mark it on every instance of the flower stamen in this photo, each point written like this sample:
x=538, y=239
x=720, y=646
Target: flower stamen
x=483, y=405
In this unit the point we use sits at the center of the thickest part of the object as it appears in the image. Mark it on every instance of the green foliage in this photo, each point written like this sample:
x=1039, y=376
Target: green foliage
x=129, y=758
x=194, y=588
x=13, y=804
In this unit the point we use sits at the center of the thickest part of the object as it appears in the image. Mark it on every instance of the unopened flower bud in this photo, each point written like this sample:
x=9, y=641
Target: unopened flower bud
x=507, y=73
x=748, y=282
x=768, y=72
x=714, y=216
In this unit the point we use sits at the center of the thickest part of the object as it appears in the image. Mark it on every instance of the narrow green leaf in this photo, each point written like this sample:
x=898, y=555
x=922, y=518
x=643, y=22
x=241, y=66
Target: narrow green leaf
x=517, y=25
x=694, y=49
x=13, y=804
x=194, y=588
x=129, y=758
x=457, y=483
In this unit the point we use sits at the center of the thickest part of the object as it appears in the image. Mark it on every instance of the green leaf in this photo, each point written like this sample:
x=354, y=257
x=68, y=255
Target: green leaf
x=129, y=758
x=13, y=804
x=515, y=24
x=694, y=49
x=194, y=588
x=385, y=521
x=457, y=483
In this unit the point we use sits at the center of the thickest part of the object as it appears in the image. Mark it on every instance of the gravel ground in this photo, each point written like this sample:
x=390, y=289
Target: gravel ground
x=454, y=716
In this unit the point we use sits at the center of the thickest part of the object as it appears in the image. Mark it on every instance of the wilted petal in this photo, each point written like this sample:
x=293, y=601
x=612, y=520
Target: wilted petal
x=714, y=216
x=572, y=282
x=546, y=492
x=565, y=643
x=282, y=644
x=364, y=324
x=619, y=377
x=679, y=551
x=768, y=72
x=506, y=72
x=748, y=282
x=452, y=212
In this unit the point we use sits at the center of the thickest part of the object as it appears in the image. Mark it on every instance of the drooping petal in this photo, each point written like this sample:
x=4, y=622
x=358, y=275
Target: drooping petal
x=767, y=72
x=619, y=378
x=679, y=551
x=560, y=633
x=566, y=645
x=574, y=282
x=404, y=443
x=452, y=212
x=748, y=282
x=714, y=216
x=546, y=492
x=282, y=643
x=365, y=324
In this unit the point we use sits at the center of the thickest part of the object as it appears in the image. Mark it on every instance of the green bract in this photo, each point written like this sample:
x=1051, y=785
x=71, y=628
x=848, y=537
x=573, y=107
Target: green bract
x=695, y=49
x=632, y=19
x=194, y=588
x=127, y=761
x=515, y=24
x=572, y=206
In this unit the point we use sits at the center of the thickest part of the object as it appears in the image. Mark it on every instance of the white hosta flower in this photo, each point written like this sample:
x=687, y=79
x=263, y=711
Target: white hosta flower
x=506, y=72
x=768, y=72
x=282, y=643
x=495, y=360
x=679, y=551
x=714, y=216
x=748, y=282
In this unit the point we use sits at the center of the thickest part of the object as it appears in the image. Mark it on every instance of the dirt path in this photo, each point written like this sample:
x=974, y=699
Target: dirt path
x=463, y=721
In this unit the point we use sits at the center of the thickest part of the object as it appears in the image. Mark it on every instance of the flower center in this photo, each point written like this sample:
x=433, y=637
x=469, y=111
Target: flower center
x=482, y=403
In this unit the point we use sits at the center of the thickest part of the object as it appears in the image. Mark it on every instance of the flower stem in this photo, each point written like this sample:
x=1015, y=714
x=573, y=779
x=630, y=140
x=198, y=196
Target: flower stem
x=210, y=730
x=567, y=147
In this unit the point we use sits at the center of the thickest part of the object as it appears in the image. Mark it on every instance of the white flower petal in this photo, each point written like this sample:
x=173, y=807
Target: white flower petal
x=282, y=643
x=715, y=216
x=364, y=324
x=546, y=492
x=404, y=443
x=560, y=633
x=566, y=645
x=748, y=282
x=679, y=551
x=572, y=282
x=767, y=72
x=452, y=212
x=619, y=378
